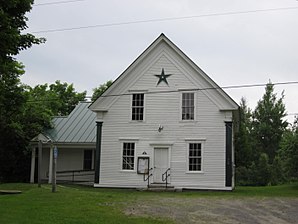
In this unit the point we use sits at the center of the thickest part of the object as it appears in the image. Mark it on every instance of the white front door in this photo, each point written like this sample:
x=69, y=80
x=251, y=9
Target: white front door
x=161, y=163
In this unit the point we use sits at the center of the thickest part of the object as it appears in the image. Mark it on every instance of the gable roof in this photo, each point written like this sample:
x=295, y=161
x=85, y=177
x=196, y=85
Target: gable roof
x=78, y=127
x=225, y=103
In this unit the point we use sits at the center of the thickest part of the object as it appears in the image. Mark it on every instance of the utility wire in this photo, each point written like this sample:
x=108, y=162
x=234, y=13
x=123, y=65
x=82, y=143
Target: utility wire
x=193, y=89
x=60, y=2
x=165, y=19
x=209, y=88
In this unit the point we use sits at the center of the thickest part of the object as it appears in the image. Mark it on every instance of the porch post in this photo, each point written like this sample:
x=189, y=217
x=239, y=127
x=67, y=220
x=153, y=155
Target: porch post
x=98, y=151
x=39, y=162
x=50, y=165
x=32, y=165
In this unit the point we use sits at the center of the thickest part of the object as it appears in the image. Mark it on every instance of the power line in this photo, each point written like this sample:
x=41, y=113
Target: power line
x=292, y=114
x=192, y=89
x=60, y=2
x=165, y=19
x=210, y=88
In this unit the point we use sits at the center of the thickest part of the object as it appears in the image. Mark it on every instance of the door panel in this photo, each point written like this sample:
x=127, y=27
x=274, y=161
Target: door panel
x=160, y=163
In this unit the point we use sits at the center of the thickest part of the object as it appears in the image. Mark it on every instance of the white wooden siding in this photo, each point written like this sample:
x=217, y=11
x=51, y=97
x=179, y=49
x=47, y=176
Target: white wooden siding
x=164, y=109
x=68, y=159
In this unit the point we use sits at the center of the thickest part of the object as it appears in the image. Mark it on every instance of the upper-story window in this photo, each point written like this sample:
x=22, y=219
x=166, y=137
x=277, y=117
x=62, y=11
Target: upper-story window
x=137, y=107
x=188, y=106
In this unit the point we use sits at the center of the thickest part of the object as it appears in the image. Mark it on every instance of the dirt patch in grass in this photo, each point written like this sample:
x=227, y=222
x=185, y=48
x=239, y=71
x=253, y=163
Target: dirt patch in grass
x=219, y=210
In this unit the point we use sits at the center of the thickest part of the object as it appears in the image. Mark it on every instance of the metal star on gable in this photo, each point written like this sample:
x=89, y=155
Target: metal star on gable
x=162, y=77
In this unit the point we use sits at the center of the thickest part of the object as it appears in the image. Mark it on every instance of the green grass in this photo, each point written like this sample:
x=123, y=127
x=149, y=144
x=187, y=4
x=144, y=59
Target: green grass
x=286, y=190
x=73, y=204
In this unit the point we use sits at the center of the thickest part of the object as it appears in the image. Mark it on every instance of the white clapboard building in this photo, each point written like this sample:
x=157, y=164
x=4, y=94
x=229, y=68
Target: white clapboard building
x=164, y=121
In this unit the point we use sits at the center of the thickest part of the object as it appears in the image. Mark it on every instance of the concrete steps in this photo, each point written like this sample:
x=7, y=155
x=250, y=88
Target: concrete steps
x=158, y=187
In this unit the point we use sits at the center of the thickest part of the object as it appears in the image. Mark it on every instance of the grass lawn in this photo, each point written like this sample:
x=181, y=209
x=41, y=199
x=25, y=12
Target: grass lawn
x=74, y=204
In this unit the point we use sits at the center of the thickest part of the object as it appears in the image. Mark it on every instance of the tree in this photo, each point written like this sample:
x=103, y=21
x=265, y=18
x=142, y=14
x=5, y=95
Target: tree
x=12, y=41
x=58, y=98
x=45, y=101
x=268, y=123
x=258, y=141
x=100, y=90
x=13, y=138
x=289, y=151
x=243, y=146
x=262, y=173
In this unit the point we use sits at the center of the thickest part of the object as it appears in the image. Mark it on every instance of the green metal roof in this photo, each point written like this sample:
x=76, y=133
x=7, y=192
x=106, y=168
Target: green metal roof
x=78, y=127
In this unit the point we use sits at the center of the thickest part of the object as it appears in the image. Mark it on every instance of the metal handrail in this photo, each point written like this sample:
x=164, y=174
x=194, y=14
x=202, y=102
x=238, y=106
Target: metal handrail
x=68, y=171
x=74, y=173
x=148, y=176
x=165, y=176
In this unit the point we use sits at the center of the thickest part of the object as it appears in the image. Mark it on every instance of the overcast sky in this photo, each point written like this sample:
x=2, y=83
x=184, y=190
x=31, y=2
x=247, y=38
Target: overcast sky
x=233, y=49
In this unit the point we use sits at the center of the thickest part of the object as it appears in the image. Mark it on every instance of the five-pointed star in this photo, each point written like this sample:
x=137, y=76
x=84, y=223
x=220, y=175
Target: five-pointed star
x=163, y=77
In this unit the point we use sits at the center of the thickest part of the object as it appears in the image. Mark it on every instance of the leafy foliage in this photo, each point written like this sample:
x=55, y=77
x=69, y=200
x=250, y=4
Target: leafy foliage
x=13, y=21
x=13, y=121
x=100, y=90
x=57, y=99
x=12, y=134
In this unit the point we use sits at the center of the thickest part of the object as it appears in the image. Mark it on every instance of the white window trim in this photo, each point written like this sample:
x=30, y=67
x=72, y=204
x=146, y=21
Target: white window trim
x=202, y=142
x=195, y=107
x=130, y=109
x=121, y=158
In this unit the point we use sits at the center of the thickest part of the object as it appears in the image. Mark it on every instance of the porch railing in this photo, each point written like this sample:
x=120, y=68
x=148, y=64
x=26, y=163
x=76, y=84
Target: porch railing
x=74, y=175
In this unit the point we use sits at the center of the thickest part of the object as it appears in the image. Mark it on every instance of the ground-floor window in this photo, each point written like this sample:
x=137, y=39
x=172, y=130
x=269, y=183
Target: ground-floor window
x=87, y=165
x=194, y=156
x=128, y=156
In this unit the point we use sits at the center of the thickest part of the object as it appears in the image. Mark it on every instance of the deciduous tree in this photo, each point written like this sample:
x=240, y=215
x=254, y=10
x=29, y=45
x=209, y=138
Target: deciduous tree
x=58, y=98
x=13, y=138
x=100, y=90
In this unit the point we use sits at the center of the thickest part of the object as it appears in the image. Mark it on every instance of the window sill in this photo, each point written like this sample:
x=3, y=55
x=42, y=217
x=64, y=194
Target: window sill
x=194, y=172
x=193, y=122
x=137, y=122
x=127, y=171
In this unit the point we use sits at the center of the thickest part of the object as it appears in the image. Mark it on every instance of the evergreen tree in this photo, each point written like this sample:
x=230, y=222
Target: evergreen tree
x=289, y=151
x=258, y=141
x=263, y=172
x=268, y=124
x=243, y=146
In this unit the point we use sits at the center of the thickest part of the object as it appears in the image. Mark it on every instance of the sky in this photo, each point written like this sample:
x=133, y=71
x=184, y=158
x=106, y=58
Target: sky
x=236, y=42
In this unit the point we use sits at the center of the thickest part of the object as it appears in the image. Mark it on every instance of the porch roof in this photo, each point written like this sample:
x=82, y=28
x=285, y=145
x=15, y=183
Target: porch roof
x=78, y=127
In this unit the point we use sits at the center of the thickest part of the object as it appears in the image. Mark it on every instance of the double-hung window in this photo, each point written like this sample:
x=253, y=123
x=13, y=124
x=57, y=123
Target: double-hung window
x=188, y=106
x=137, y=107
x=128, y=156
x=194, y=156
